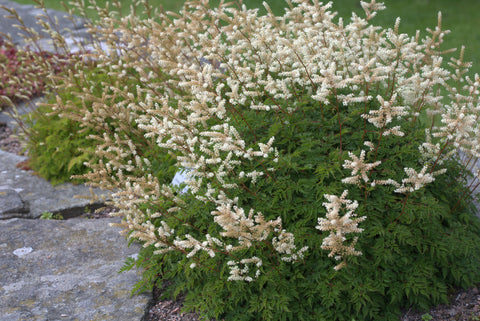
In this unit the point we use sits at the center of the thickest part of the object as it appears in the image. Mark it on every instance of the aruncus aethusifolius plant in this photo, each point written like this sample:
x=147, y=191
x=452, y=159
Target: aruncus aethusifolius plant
x=320, y=155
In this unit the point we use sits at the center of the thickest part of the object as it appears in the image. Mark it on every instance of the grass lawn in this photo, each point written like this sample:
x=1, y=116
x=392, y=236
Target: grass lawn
x=462, y=17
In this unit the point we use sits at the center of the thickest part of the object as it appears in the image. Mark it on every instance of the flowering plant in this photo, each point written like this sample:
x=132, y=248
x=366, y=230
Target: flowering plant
x=23, y=71
x=326, y=173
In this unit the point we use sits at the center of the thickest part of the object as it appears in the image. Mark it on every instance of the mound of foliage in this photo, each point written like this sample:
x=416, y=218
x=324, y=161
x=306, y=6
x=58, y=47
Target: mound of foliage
x=59, y=146
x=323, y=173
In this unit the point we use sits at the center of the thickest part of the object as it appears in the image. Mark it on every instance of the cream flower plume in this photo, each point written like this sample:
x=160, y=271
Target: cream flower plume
x=358, y=165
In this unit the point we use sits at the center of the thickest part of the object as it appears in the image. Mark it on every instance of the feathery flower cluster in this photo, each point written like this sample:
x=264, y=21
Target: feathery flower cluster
x=358, y=165
x=218, y=64
x=340, y=225
x=383, y=116
x=242, y=274
x=416, y=180
x=430, y=153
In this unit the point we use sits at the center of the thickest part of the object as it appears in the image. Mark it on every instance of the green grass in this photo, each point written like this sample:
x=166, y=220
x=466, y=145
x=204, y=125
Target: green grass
x=461, y=17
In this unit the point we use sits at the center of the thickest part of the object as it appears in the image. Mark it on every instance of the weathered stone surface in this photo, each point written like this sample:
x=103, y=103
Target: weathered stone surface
x=21, y=108
x=30, y=15
x=11, y=204
x=40, y=194
x=66, y=270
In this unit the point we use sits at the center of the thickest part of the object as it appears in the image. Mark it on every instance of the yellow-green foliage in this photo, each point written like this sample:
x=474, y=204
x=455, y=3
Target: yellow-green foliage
x=323, y=174
x=57, y=146
x=60, y=142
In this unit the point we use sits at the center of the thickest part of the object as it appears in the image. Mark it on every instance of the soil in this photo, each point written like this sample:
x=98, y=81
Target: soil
x=168, y=310
x=8, y=141
x=464, y=304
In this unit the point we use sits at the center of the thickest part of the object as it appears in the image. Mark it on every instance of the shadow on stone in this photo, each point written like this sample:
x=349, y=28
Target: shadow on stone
x=11, y=204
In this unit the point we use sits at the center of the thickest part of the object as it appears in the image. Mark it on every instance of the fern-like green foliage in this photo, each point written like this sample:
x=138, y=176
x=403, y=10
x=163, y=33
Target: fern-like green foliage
x=57, y=146
x=414, y=248
x=59, y=143
x=164, y=101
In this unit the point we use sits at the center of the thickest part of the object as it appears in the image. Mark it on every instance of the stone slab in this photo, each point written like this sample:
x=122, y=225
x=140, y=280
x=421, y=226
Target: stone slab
x=20, y=109
x=66, y=270
x=40, y=195
x=11, y=202
x=30, y=15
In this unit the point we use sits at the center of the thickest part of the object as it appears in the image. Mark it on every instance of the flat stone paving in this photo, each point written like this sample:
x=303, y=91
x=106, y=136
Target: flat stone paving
x=30, y=15
x=60, y=270
x=37, y=195
x=66, y=270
